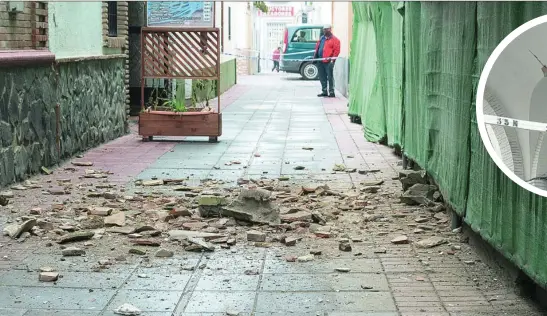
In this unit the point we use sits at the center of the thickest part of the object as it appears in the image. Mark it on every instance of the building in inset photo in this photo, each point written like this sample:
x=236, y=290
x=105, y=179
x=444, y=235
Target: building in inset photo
x=515, y=106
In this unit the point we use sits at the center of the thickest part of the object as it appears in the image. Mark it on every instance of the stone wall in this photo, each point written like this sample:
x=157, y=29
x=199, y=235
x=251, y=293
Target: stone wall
x=91, y=99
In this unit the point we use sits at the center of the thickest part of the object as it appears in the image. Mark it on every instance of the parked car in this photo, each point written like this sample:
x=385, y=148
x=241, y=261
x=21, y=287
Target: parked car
x=298, y=45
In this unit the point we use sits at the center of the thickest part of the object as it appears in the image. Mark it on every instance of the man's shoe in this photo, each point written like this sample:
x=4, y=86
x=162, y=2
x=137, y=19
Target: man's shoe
x=322, y=95
x=332, y=95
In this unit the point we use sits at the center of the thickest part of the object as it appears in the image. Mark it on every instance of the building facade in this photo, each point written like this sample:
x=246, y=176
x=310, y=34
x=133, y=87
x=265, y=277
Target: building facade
x=63, y=73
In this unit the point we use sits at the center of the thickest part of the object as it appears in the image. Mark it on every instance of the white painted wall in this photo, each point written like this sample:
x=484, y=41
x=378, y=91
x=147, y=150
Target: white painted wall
x=341, y=25
x=75, y=29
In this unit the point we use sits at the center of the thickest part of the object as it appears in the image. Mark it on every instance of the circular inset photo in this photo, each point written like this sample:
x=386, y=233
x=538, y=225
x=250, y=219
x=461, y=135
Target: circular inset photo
x=512, y=106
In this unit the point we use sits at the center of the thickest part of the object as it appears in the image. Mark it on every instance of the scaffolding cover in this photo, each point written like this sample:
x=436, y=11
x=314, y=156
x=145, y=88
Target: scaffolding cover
x=415, y=69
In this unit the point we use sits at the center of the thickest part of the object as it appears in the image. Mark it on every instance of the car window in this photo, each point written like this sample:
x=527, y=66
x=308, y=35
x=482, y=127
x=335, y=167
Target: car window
x=307, y=35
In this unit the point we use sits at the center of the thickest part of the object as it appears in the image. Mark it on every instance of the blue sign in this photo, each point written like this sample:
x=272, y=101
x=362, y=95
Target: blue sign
x=180, y=13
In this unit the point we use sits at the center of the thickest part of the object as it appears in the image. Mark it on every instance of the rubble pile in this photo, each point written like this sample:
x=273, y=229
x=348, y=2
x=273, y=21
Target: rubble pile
x=163, y=218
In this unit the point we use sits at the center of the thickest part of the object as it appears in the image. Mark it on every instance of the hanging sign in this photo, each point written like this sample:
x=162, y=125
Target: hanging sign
x=180, y=13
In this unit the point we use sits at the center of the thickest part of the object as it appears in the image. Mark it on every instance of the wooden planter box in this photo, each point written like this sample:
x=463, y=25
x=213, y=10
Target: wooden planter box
x=190, y=123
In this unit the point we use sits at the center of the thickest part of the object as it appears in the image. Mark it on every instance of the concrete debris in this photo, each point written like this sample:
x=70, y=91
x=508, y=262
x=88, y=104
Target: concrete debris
x=127, y=310
x=254, y=235
x=306, y=258
x=151, y=183
x=164, y=253
x=370, y=189
x=344, y=246
x=339, y=168
x=48, y=276
x=419, y=194
x=72, y=252
x=301, y=216
x=400, y=240
x=409, y=178
x=430, y=242
x=198, y=245
x=100, y=211
x=184, y=235
x=117, y=219
x=16, y=230
x=76, y=236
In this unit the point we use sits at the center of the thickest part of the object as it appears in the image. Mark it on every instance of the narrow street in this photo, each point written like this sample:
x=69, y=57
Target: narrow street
x=352, y=249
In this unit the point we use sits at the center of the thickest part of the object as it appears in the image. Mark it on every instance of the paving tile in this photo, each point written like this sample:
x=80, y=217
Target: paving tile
x=12, y=312
x=228, y=282
x=66, y=279
x=326, y=282
x=147, y=300
x=322, y=266
x=59, y=312
x=299, y=302
x=200, y=302
x=155, y=280
x=54, y=298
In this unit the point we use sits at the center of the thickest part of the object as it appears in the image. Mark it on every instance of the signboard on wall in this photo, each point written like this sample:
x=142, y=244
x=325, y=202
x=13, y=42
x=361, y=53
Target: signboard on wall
x=180, y=13
x=278, y=11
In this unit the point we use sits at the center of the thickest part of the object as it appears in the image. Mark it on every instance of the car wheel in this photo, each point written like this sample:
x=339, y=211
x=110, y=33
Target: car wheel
x=309, y=71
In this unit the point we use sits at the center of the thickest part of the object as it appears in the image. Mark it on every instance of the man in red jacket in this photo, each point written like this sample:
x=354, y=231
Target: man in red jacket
x=327, y=49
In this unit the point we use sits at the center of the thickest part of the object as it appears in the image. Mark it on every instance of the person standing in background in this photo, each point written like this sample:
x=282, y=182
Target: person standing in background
x=275, y=57
x=327, y=49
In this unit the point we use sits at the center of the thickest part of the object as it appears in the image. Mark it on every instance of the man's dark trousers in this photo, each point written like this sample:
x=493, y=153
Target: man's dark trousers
x=326, y=71
x=276, y=66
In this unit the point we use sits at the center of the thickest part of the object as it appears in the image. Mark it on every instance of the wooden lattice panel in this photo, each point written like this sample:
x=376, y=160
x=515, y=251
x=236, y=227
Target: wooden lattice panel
x=180, y=53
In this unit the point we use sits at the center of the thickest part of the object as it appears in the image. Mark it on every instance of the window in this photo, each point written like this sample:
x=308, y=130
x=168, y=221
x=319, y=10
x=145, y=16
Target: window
x=307, y=35
x=112, y=18
x=229, y=23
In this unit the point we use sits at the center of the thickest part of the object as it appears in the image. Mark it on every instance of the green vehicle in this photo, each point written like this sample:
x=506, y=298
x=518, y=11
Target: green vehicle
x=298, y=46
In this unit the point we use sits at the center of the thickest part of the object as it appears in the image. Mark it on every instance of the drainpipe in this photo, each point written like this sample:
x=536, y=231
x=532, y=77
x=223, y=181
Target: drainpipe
x=222, y=26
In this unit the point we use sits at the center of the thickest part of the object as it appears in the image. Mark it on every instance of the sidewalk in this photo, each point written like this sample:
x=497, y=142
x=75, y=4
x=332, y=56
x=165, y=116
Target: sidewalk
x=274, y=128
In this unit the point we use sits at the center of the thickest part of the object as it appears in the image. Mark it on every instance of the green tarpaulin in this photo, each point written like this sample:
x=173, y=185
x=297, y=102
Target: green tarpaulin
x=414, y=72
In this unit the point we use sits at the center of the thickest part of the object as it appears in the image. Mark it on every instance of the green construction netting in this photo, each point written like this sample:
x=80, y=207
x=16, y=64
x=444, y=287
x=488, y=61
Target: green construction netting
x=440, y=52
x=509, y=217
x=377, y=50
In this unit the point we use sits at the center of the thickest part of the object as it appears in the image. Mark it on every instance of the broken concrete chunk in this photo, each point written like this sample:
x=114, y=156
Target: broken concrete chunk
x=48, y=276
x=255, y=194
x=100, y=211
x=127, y=310
x=121, y=230
x=164, y=253
x=306, y=258
x=137, y=251
x=400, y=240
x=430, y=242
x=211, y=200
x=370, y=189
x=344, y=246
x=409, y=178
x=152, y=183
x=117, y=219
x=145, y=242
x=198, y=244
x=301, y=216
x=16, y=230
x=419, y=194
x=254, y=235
x=185, y=234
x=290, y=241
x=72, y=252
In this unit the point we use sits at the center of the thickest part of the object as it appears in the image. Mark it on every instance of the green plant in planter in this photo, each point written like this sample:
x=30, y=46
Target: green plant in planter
x=177, y=106
x=202, y=91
